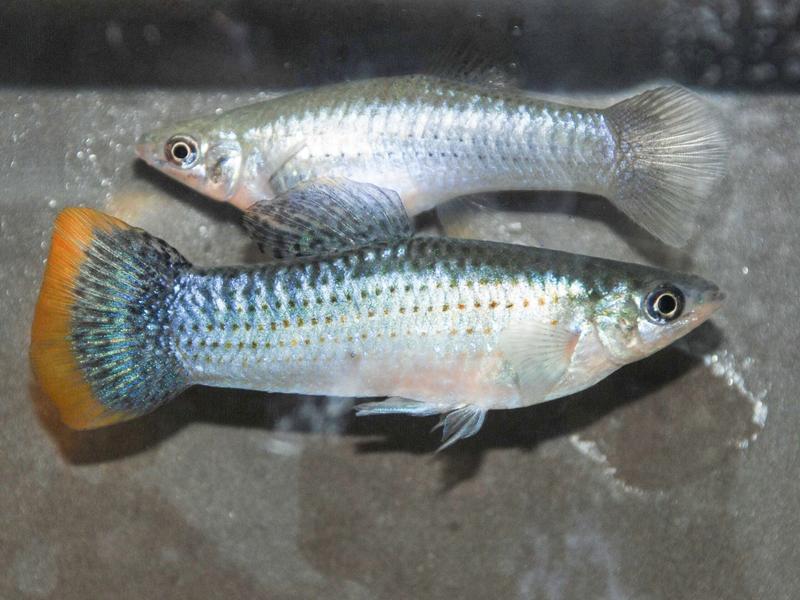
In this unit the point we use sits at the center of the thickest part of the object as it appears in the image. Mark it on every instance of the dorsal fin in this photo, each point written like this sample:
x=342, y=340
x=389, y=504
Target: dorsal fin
x=327, y=215
x=480, y=58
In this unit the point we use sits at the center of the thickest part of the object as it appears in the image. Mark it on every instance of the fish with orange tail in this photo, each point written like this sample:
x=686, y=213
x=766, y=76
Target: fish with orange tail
x=440, y=326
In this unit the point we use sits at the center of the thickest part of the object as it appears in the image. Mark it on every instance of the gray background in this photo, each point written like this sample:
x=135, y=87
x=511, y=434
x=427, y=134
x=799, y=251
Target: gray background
x=674, y=478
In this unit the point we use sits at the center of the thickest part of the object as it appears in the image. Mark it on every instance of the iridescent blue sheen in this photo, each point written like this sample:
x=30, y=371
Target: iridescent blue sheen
x=450, y=323
x=121, y=319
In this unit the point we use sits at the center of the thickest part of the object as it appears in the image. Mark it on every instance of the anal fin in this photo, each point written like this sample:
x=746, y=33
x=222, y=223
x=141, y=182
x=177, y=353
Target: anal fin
x=483, y=217
x=397, y=406
x=457, y=424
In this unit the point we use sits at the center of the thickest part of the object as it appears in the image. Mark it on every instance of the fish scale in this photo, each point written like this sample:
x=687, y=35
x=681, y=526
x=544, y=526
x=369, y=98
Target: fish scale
x=656, y=156
x=347, y=122
x=374, y=305
x=354, y=307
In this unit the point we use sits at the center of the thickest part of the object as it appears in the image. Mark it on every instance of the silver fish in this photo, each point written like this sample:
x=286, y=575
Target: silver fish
x=441, y=326
x=656, y=156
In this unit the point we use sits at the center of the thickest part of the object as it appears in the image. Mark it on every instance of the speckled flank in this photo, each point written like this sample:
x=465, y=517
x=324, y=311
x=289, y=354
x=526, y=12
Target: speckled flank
x=656, y=156
x=453, y=324
x=434, y=138
x=429, y=139
x=428, y=319
x=376, y=321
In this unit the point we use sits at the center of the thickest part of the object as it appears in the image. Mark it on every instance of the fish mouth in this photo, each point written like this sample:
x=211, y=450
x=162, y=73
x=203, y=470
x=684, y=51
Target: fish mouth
x=716, y=296
x=710, y=302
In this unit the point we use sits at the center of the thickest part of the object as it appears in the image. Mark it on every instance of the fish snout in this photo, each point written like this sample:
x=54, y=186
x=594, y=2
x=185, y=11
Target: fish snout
x=715, y=296
x=710, y=301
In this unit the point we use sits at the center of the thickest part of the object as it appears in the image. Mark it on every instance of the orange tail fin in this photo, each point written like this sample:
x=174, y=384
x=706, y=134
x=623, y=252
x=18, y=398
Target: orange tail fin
x=89, y=346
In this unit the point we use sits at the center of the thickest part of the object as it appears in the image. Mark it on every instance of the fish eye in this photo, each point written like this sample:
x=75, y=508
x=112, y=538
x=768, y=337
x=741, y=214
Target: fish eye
x=181, y=150
x=664, y=304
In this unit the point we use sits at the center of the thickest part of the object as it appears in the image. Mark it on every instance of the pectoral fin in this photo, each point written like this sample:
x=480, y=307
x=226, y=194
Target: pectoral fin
x=539, y=351
x=275, y=166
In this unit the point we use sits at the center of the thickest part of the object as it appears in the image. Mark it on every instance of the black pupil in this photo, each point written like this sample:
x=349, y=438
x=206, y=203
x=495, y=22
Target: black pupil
x=666, y=304
x=180, y=151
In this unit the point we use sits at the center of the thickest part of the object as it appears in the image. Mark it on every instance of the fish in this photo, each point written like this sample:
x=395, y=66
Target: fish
x=656, y=156
x=438, y=326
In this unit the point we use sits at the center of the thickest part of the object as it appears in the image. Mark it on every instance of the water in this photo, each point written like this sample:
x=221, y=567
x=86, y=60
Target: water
x=676, y=477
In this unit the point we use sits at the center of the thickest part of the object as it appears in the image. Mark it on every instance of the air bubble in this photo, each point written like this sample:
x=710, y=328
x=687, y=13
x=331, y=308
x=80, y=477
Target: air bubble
x=724, y=365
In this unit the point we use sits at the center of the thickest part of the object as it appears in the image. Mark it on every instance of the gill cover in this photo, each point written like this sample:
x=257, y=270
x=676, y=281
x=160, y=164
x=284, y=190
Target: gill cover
x=223, y=162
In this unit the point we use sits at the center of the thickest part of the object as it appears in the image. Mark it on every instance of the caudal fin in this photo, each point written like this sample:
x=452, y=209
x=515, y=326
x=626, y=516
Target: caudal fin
x=671, y=153
x=100, y=344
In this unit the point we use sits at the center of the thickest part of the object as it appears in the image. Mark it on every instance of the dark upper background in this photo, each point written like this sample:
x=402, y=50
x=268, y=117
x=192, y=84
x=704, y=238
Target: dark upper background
x=574, y=45
x=674, y=478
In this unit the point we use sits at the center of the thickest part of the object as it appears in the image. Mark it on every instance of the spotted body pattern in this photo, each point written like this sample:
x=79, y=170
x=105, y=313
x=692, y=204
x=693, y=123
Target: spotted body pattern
x=339, y=326
x=458, y=327
x=431, y=139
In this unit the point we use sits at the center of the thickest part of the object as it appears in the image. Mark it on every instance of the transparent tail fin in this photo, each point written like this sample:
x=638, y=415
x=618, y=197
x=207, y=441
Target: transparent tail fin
x=671, y=153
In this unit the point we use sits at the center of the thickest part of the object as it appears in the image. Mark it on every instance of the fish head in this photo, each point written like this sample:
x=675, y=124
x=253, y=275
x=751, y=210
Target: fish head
x=208, y=159
x=652, y=310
